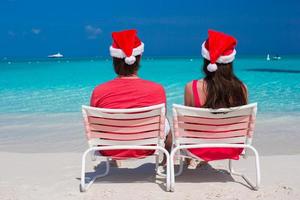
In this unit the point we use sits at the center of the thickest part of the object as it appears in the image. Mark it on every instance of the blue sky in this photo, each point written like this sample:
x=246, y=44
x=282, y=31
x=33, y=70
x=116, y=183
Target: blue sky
x=36, y=28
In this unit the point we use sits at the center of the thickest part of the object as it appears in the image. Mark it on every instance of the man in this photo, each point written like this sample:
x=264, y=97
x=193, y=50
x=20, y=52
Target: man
x=127, y=90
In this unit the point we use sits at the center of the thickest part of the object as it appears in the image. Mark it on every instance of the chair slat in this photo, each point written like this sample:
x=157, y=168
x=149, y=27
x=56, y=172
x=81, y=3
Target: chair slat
x=99, y=142
x=118, y=122
x=114, y=136
x=145, y=114
x=214, y=121
x=233, y=140
x=212, y=128
x=115, y=129
x=218, y=113
x=211, y=135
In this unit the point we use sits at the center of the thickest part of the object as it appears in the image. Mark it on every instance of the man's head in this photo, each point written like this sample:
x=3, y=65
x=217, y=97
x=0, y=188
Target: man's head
x=126, y=51
x=123, y=69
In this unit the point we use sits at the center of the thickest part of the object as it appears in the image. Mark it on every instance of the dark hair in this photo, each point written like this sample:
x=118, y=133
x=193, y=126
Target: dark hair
x=123, y=69
x=223, y=88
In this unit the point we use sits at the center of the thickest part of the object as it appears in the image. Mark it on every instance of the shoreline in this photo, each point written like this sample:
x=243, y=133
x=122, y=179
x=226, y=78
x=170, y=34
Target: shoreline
x=63, y=132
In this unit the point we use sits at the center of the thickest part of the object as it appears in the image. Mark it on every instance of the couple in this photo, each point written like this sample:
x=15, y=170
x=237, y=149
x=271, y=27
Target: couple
x=220, y=88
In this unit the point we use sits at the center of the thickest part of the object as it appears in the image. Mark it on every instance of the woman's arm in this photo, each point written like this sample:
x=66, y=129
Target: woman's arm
x=188, y=95
x=246, y=94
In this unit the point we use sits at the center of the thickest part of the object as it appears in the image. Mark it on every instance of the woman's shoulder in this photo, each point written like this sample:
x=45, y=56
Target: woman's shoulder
x=245, y=90
x=189, y=85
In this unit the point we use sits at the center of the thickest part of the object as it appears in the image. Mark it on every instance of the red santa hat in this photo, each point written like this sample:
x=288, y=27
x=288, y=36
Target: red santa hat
x=218, y=48
x=126, y=44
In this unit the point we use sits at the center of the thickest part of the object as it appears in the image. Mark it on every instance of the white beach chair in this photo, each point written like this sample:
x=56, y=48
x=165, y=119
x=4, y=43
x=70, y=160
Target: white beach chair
x=220, y=128
x=112, y=129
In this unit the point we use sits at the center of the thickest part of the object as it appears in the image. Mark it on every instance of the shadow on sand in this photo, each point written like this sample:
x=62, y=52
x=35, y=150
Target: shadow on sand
x=146, y=173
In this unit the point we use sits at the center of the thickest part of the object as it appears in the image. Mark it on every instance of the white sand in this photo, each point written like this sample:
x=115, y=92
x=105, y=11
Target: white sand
x=56, y=176
x=40, y=158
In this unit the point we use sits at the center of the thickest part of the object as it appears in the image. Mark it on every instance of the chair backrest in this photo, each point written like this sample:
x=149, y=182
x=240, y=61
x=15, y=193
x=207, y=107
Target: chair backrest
x=202, y=125
x=136, y=126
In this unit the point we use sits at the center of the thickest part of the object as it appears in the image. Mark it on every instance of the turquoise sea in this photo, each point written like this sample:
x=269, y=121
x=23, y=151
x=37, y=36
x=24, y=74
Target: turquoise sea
x=40, y=100
x=62, y=86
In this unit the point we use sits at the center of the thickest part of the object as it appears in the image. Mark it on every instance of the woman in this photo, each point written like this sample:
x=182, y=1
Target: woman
x=220, y=88
x=127, y=90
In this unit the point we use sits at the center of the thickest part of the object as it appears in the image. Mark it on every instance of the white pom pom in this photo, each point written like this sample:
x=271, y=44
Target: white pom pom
x=130, y=60
x=212, y=67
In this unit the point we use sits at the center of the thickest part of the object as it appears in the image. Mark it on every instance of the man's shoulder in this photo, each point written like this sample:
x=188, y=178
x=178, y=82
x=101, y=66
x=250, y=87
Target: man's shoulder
x=139, y=83
x=104, y=86
x=152, y=84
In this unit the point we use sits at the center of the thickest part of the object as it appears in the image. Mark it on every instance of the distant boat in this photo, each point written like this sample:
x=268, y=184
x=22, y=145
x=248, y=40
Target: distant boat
x=276, y=57
x=57, y=55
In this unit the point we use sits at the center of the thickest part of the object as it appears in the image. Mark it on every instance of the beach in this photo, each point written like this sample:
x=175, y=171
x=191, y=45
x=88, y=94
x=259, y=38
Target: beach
x=48, y=164
x=30, y=176
x=42, y=137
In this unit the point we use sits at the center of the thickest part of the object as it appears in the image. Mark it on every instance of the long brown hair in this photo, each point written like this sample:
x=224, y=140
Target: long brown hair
x=223, y=88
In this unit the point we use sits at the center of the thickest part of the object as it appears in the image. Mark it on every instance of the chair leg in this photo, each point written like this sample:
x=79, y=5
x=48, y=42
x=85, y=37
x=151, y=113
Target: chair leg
x=168, y=178
x=83, y=186
x=93, y=156
x=230, y=166
x=257, y=165
x=180, y=167
x=172, y=167
x=172, y=173
x=168, y=173
x=156, y=162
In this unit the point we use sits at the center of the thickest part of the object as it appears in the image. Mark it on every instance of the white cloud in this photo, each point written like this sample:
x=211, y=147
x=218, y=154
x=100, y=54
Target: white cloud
x=92, y=31
x=36, y=31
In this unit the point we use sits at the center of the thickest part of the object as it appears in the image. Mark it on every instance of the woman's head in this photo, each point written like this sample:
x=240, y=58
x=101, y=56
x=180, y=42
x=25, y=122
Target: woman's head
x=223, y=88
x=126, y=51
x=223, y=69
x=123, y=69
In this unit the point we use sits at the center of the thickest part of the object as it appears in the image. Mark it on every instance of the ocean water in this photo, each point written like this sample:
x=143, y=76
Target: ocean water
x=40, y=100
x=62, y=86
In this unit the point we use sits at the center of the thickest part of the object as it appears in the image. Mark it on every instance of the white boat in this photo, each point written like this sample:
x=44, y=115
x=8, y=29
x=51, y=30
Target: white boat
x=57, y=55
x=276, y=57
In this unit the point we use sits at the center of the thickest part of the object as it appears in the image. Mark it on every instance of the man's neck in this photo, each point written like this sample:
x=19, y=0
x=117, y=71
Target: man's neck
x=134, y=76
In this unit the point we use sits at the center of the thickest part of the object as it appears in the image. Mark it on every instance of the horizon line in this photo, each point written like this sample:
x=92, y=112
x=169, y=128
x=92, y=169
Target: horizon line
x=9, y=58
